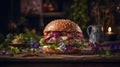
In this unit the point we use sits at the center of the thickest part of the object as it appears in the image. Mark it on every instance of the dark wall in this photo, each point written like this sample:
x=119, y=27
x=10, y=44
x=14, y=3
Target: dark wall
x=4, y=13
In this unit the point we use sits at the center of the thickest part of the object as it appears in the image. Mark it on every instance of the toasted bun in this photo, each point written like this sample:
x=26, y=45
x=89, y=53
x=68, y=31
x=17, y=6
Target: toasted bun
x=62, y=25
x=58, y=51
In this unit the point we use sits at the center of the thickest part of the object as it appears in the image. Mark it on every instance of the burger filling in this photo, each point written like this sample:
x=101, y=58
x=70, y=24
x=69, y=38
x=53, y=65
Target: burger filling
x=63, y=40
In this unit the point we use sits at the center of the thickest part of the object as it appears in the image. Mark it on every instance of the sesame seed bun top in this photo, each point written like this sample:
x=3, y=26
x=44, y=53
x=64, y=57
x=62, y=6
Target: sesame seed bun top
x=62, y=25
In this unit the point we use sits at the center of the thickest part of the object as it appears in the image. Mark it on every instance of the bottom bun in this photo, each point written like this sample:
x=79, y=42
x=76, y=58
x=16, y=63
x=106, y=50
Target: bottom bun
x=58, y=51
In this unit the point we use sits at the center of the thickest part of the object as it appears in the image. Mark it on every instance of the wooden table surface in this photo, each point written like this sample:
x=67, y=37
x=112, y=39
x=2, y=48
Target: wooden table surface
x=54, y=60
x=62, y=58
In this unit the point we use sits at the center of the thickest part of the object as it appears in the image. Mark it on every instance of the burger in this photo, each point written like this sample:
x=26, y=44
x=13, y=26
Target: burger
x=61, y=36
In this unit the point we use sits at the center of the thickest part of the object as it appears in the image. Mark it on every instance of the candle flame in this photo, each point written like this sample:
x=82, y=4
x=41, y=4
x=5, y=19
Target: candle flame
x=109, y=29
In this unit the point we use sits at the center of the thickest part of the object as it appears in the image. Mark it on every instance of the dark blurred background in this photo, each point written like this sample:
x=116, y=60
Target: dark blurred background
x=18, y=15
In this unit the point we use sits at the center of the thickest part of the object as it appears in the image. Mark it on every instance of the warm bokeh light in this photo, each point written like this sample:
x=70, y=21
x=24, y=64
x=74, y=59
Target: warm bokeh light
x=109, y=29
x=102, y=29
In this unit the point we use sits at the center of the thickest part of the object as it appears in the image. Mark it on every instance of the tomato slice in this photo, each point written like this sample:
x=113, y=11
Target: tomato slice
x=70, y=37
x=45, y=34
x=47, y=37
